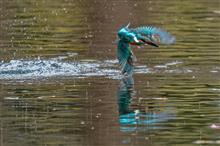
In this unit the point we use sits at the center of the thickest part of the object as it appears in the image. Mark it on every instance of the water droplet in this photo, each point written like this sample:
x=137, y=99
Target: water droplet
x=40, y=97
x=82, y=122
x=215, y=126
x=146, y=138
x=136, y=112
x=98, y=115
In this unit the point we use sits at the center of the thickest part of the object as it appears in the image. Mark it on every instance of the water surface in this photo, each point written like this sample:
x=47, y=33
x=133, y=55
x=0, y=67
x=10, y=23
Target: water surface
x=60, y=83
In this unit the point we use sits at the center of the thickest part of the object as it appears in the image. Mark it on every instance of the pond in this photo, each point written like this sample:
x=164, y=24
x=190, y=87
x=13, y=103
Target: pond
x=60, y=83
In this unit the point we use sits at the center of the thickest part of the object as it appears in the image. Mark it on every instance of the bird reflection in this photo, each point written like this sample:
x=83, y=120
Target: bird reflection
x=125, y=94
x=133, y=117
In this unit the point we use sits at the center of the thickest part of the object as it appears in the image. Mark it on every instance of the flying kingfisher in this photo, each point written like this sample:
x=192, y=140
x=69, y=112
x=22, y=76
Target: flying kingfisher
x=146, y=35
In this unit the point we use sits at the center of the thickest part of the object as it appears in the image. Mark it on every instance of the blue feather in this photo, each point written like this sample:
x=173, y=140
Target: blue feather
x=153, y=32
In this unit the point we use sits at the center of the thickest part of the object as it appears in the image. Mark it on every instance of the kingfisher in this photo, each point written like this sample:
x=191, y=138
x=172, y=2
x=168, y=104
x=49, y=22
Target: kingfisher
x=145, y=35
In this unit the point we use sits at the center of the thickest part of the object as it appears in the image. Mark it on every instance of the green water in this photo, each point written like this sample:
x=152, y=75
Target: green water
x=174, y=103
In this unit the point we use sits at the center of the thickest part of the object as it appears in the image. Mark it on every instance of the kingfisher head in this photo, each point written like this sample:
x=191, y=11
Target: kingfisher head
x=126, y=35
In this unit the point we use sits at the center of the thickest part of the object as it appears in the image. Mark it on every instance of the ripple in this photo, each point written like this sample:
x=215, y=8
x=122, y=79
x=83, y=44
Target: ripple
x=168, y=64
x=207, y=142
x=11, y=98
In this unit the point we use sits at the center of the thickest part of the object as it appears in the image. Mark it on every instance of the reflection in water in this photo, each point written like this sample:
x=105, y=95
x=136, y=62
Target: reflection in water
x=125, y=94
x=139, y=118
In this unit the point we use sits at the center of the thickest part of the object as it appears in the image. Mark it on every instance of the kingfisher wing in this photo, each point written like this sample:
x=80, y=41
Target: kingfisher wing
x=123, y=52
x=125, y=57
x=155, y=34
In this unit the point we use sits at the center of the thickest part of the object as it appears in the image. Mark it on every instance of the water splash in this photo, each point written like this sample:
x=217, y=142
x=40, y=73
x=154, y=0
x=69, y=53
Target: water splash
x=59, y=66
x=37, y=68
x=20, y=69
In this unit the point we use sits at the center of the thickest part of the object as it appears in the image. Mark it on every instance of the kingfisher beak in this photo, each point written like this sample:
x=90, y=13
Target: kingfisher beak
x=150, y=43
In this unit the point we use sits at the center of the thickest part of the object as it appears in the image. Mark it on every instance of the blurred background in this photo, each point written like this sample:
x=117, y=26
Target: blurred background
x=175, y=99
